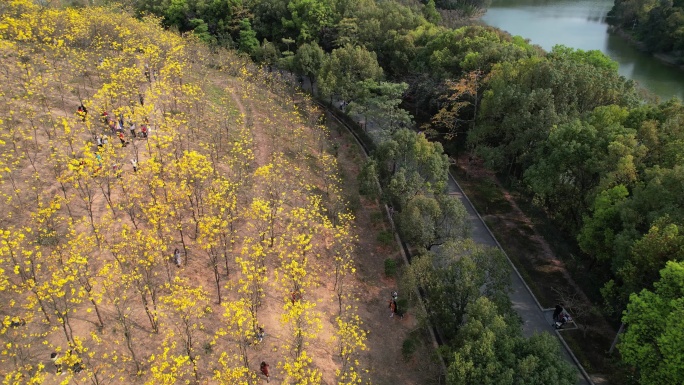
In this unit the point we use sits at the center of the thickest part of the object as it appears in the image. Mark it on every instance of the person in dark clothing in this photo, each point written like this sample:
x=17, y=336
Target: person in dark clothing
x=558, y=311
x=82, y=112
x=264, y=370
x=16, y=322
x=57, y=361
x=177, y=257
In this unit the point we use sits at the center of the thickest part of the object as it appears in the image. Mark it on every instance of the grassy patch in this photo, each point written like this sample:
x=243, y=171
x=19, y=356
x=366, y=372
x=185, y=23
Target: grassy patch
x=386, y=237
x=592, y=352
x=408, y=347
x=353, y=203
x=485, y=194
x=377, y=218
x=390, y=267
x=215, y=94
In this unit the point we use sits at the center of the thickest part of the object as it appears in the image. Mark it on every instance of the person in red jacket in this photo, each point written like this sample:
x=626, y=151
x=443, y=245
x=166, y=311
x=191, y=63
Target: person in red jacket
x=122, y=138
x=264, y=370
x=393, y=307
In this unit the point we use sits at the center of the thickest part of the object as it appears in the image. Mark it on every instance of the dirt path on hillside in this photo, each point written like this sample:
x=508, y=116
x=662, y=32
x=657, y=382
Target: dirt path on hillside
x=260, y=142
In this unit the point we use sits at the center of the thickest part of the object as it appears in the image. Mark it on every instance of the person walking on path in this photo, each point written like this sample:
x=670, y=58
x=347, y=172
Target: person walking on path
x=122, y=138
x=393, y=307
x=134, y=162
x=131, y=128
x=177, y=257
x=260, y=334
x=264, y=370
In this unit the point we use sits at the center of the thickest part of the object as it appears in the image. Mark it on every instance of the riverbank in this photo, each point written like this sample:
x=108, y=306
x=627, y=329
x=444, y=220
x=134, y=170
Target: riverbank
x=669, y=59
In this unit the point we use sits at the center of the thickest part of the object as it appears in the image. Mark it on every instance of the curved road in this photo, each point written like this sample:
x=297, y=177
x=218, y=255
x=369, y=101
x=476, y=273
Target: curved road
x=535, y=318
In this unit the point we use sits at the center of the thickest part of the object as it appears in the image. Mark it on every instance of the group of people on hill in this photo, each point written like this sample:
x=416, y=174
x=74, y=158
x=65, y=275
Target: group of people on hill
x=115, y=125
x=560, y=316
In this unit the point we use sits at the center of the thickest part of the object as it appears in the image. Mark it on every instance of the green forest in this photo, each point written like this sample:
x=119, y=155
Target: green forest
x=562, y=127
x=659, y=25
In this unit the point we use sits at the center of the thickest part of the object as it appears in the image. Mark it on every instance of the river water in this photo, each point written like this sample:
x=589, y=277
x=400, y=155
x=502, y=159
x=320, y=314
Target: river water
x=582, y=24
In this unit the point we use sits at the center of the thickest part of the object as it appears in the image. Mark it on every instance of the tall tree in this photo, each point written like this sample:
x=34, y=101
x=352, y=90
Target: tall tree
x=432, y=221
x=456, y=275
x=248, y=41
x=308, y=61
x=654, y=341
x=309, y=18
x=408, y=165
x=430, y=12
x=379, y=103
x=491, y=350
x=640, y=269
x=345, y=68
x=461, y=104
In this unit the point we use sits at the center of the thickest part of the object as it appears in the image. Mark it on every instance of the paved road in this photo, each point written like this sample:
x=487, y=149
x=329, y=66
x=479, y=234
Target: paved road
x=535, y=320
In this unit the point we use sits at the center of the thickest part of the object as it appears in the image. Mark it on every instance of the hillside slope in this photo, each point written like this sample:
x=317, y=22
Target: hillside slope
x=160, y=203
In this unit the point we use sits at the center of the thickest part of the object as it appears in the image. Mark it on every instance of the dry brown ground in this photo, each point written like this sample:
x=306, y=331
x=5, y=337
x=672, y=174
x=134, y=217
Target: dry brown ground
x=383, y=358
x=382, y=362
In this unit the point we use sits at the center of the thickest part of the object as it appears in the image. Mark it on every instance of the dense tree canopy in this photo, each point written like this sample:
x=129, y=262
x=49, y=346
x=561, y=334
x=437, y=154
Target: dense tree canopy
x=492, y=351
x=654, y=342
x=409, y=165
x=431, y=221
x=345, y=69
x=658, y=24
x=456, y=275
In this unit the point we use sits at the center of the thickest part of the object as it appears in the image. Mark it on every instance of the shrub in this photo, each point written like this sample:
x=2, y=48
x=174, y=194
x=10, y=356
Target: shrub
x=408, y=347
x=390, y=267
x=386, y=237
